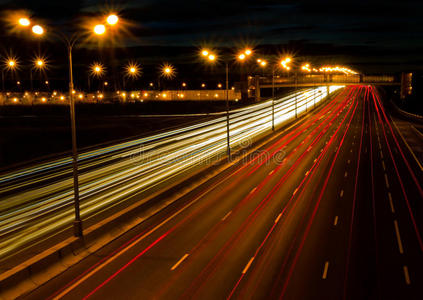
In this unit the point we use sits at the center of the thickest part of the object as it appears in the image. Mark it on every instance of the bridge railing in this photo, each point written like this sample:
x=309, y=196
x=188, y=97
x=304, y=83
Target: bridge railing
x=325, y=78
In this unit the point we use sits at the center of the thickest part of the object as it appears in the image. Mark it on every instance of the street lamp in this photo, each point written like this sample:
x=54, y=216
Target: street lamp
x=37, y=30
x=70, y=41
x=96, y=70
x=132, y=70
x=112, y=19
x=99, y=29
x=10, y=65
x=24, y=22
x=39, y=64
x=211, y=58
x=166, y=71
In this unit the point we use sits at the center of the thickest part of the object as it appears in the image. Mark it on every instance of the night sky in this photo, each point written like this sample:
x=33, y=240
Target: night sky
x=381, y=36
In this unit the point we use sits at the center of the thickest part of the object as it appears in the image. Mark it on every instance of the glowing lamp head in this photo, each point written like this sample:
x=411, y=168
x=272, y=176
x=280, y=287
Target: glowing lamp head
x=212, y=57
x=204, y=53
x=97, y=69
x=39, y=63
x=37, y=30
x=248, y=52
x=241, y=56
x=132, y=69
x=167, y=70
x=112, y=20
x=99, y=29
x=11, y=63
x=24, y=22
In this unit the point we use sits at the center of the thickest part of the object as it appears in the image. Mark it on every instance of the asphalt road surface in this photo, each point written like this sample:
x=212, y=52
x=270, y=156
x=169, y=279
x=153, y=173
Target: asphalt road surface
x=330, y=209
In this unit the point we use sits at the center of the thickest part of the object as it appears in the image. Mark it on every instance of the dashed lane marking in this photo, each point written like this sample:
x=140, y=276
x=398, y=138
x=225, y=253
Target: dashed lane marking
x=397, y=233
x=325, y=270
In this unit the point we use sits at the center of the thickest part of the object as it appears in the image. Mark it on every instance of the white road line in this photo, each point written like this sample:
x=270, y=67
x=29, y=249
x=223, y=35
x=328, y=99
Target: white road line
x=383, y=165
x=335, y=222
x=391, y=203
x=346, y=174
x=295, y=191
x=227, y=215
x=400, y=247
x=386, y=181
x=271, y=172
x=325, y=270
x=406, y=275
x=342, y=193
x=248, y=265
x=252, y=191
x=306, y=173
x=179, y=262
x=381, y=154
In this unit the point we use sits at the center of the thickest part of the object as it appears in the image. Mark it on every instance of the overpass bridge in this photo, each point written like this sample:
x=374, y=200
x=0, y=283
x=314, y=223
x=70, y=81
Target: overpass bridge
x=257, y=83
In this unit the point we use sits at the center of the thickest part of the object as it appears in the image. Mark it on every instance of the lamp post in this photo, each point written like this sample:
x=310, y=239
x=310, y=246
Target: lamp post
x=39, y=65
x=212, y=58
x=96, y=70
x=167, y=71
x=133, y=71
x=10, y=64
x=70, y=41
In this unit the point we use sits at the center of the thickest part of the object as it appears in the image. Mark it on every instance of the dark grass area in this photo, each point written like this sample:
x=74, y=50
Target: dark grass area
x=36, y=133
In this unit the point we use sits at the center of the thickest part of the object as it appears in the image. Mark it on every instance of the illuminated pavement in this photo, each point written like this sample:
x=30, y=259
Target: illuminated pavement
x=331, y=210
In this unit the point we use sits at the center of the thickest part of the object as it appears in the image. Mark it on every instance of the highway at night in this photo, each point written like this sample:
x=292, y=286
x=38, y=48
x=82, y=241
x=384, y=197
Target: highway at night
x=40, y=198
x=328, y=207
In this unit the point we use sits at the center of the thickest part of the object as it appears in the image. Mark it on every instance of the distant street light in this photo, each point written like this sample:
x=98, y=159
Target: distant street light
x=10, y=65
x=167, y=71
x=39, y=65
x=96, y=70
x=132, y=71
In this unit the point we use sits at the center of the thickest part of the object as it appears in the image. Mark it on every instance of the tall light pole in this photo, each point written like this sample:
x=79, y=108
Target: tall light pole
x=70, y=41
x=212, y=58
